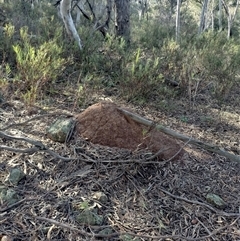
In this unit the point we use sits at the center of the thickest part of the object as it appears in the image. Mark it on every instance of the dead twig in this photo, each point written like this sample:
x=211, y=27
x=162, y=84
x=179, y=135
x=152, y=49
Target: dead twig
x=2, y=210
x=92, y=235
x=202, y=204
x=39, y=146
x=35, y=118
x=27, y=150
x=206, y=146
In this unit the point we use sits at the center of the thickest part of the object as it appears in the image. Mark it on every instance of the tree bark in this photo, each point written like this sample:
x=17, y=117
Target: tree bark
x=220, y=15
x=122, y=19
x=178, y=20
x=206, y=146
x=203, y=16
x=65, y=10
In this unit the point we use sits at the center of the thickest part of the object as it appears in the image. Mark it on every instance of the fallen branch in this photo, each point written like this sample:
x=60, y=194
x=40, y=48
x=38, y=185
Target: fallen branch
x=2, y=210
x=35, y=118
x=202, y=204
x=206, y=146
x=115, y=234
x=39, y=146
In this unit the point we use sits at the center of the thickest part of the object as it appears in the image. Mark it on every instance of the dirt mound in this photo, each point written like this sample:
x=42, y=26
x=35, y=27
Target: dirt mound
x=104, y=124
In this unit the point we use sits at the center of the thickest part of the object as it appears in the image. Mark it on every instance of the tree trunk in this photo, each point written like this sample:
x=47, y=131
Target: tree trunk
x=220, y=15
x=203, y=16
x=231, y=19
x=65, y=10
x=122, y=19
x=178, y=20
x=189, y=140
x=230, y=16
x=212, y=15
x=143, y=5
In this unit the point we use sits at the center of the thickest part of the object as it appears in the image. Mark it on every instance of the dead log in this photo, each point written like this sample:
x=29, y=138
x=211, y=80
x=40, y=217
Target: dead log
x=190, y=140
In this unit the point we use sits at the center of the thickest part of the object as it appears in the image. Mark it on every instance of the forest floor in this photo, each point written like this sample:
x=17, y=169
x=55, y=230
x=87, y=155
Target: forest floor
x=139, y=200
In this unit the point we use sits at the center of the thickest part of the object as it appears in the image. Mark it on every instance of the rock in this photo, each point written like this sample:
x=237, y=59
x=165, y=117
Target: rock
x=6, y=238
x=15, y=176
x=104, y=124
x=8, y=195
x=100, y=196
x=106, y=231
x=128, y=237
x=89, y=217
x=60, y=129
x=215, y=200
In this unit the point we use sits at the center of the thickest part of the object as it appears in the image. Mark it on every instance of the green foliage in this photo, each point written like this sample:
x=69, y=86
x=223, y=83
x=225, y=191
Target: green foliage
x=36, y=66
x=209, y=62
x=151, y=34
x=220, y=60
x=141, y=77
x=6, y=41
x=36, y=55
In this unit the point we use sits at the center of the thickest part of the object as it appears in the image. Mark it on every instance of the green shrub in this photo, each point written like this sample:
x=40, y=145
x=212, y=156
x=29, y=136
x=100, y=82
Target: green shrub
x=141, y=77
x=220, y=60
x=210, y=62
x=6, y=41
x=36, y=66
x=151, y=34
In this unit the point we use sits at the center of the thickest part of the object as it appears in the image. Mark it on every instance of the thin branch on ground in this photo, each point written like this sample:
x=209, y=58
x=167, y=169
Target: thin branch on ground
x=206, y=146
x=202, y=204
x=27, y=150
x=35, y=118
x=70, y=227
x=2, y=210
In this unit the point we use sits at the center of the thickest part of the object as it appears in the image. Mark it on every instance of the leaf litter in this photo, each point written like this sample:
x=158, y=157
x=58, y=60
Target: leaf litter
x=146, y=199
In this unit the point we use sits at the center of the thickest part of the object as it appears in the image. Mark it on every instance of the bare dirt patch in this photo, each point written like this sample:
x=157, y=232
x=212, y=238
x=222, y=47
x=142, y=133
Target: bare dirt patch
x=104, y=124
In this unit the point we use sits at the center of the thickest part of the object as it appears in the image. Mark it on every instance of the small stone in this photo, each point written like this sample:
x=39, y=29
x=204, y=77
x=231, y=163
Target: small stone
x=194, y=221
x=8, y=195
x=15, y=176
x=6, y=238
x=106, y=231
x=60, y=129
x=100, y=196
x=89, y=217
x=215, y=200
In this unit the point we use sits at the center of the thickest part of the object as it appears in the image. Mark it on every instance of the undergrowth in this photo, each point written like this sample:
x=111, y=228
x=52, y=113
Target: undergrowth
x=142, y=72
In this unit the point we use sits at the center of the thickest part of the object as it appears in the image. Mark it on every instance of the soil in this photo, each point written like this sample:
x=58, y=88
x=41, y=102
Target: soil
x=147, y=199
x=104, y=124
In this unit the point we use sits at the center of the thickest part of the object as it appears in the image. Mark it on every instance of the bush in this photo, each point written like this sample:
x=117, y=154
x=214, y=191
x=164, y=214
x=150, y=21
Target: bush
x=220, y=59
x=36, y=66
x=209, y=61
x=141, y=77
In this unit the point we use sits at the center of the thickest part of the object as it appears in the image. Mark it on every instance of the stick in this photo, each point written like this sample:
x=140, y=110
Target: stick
x=206, y=146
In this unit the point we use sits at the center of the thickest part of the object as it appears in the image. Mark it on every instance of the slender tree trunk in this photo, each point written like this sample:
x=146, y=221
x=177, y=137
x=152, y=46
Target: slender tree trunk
x=229, y=26
x=212, y=15
x=178, y=20
x=220, y=15
x=65, y=10
x=189, y=140
x=231, y=19
x=143, y=5
x=122, y=19
x=78, y=16
x=203, y=16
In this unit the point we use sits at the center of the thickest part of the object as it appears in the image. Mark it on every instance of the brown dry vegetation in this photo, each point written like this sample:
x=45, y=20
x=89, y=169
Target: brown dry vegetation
x=146, y=200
